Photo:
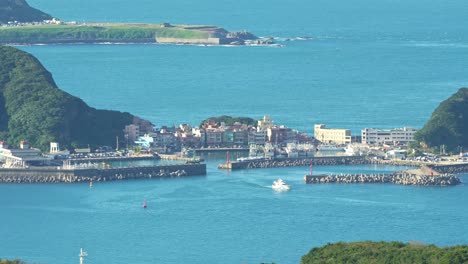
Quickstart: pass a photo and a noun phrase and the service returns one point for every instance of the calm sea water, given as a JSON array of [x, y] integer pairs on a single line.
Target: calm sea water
[[370, 64]]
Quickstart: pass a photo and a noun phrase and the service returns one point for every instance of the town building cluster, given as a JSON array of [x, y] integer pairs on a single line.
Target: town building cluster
[[266, 138], [214, 135]]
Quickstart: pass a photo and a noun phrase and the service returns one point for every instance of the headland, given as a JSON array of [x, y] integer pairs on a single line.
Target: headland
[[58, 32]]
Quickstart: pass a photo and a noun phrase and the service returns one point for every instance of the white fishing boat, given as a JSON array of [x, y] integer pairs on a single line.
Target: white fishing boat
[[280, 185]]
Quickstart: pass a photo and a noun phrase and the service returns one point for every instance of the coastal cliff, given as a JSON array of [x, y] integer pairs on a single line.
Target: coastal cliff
[[33, 108]]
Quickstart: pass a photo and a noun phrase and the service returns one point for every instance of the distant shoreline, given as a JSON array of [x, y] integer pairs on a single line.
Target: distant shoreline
[[123, 33]]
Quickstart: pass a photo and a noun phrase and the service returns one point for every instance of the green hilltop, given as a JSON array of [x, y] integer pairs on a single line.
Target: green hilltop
[[32, 108], [229, 120], [448, 124], [368, 252], [19, 10]]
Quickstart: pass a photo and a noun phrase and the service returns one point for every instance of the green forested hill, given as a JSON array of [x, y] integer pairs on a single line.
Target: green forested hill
[[385, 252], [448, 124], [32, 108], [19, 10]]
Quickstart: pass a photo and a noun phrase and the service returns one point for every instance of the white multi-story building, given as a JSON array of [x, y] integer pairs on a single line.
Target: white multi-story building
[[396, 136], [265, 123], [332, 135]]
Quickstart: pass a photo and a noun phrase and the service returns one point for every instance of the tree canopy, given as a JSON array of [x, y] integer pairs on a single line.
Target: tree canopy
[[229, 120], [448, 124], [385, 252], [32, 108]]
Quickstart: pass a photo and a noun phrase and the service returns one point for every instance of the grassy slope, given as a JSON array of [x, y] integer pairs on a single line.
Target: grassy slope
[[94, 32]]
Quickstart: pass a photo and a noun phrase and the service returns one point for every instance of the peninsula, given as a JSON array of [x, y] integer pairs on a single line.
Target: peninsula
[[22, 24]]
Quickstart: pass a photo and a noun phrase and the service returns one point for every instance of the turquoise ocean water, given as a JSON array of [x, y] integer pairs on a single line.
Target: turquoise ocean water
[[370, 64]]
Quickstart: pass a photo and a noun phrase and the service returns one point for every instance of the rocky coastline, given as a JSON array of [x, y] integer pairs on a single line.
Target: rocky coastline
[[401, 178]]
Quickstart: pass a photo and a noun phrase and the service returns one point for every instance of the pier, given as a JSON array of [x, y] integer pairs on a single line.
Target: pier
[[59, 175]]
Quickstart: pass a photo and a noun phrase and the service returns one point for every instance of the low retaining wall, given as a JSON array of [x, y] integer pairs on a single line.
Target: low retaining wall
[[51, 175], [395, 178], [104, 159]]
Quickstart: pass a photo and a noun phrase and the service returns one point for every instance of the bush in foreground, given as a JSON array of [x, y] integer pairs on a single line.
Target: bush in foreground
[[385, 252]]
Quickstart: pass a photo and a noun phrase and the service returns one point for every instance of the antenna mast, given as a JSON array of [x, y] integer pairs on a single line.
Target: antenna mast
[[82, 256]]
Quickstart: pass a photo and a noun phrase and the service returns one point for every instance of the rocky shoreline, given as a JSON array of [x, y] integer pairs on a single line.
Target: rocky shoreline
[[401, 178]]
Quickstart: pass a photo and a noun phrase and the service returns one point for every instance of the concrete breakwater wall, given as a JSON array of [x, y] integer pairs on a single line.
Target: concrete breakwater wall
[[53, 175], [395, 178], [294, 162], [453, 168]]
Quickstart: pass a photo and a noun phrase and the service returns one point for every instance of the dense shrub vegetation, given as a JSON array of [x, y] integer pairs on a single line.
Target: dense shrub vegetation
[[32, 108], [229, 120], [385, 252]]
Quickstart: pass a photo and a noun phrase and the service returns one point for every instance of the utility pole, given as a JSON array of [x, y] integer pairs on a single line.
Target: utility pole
[[82, 256], [117, 143]]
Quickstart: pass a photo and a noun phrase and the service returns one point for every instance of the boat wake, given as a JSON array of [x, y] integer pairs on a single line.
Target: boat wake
[[433, 44], [286, 39]]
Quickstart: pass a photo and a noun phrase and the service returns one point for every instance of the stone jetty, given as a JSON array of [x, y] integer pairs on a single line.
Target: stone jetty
[[294, 162], [402, 178], [55, 175], [452, 168]]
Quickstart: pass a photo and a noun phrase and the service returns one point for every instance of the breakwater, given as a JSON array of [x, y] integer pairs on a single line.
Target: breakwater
[[55, 175], [452, 168], [294, 162], [402, 178]]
